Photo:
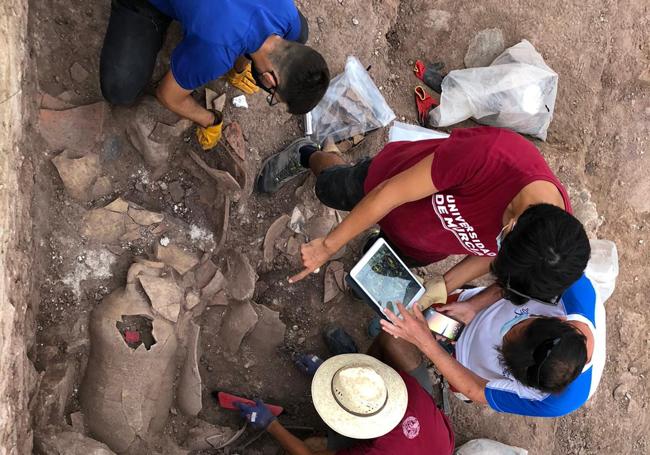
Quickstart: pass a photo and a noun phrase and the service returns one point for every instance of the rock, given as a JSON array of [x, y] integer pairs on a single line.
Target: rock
[[219, 217], [219, 103], [484, 48], [176, 191], [77, 422], [344, 146], [272, 234], [101, 187], [585, 210], [339, 276], [226, 183], [297, 222], [139, 130], [78, 172], [239, 320], [53, 103], [235, 139], [219, 299], [331, 286], [54, 393], [145, 217], [103, 226], [357, 139], [188, 394], [319, 227], [215, 285], [192, 299], [78, 73], [240, 101], [68, 443], [293, 246], [210, 96], [164, 133], [165, 295], [198, 437], [79, 128], [268, 334], [180, 260], [204, 273], [118, 205], [240, 276]]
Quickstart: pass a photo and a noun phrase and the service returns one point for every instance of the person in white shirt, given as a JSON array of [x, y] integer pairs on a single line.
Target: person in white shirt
[[535, 359]]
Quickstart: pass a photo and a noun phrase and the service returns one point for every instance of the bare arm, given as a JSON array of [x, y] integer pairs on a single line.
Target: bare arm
[[411, 185], [178, 100], [241, 63], [470, 268], [290, 443], [413, 328], [463, 380]]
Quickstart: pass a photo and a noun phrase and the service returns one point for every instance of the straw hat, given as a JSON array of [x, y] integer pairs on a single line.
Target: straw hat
[[358, 396]]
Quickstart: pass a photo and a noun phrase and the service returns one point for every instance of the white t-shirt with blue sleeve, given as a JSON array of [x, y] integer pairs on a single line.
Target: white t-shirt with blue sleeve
[[476, 350]]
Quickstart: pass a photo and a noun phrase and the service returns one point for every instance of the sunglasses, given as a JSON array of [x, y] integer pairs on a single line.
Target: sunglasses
[[553, 302], [541, 355]]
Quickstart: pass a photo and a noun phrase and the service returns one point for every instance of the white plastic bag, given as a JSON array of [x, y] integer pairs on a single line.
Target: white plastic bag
[[516, 91], [352, 105], [406, 132], [488, 447], [602, 267]]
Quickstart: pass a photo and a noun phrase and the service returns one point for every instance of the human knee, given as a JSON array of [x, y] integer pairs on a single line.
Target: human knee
[[119, 89]]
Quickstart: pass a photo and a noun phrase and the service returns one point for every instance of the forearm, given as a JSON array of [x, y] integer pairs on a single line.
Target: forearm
[[188, 108], [367, 213], [290, 443], [486, 297], [463, 380], [470, 268], [241, 63]]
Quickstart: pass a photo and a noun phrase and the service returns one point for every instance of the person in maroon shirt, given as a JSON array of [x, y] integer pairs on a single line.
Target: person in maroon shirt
[[372, 408], [485, 192]]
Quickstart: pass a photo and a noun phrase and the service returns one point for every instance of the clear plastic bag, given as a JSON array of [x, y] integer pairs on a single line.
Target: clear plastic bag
[[516, 91], [352, 105]]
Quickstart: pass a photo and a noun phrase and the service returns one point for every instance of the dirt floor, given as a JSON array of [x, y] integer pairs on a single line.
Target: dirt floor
[[597, 144]]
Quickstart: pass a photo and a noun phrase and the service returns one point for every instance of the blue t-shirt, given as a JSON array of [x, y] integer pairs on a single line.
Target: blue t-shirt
[[475, 349], [217, 32]]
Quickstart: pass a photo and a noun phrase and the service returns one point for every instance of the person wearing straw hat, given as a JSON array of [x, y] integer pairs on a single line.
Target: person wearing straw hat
[[376, 408]]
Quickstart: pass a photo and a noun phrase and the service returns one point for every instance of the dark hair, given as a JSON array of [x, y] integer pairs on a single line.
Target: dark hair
[[304, 76], [548, 355], [546, 252]]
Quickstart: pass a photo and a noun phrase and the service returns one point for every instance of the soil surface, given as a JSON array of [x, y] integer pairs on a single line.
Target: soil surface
[[596, 144]]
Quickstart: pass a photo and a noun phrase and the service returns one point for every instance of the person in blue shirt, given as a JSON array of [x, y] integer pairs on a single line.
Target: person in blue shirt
[[220, 39]]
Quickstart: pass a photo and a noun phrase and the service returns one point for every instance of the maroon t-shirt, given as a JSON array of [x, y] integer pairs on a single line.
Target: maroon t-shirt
[[423, 430], [477, 171]]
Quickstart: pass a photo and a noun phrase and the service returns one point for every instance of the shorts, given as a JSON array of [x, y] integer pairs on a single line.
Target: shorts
[[341, 187]]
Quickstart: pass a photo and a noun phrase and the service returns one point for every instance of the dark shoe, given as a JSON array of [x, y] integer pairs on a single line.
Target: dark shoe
[[338, 341], [278, 169]]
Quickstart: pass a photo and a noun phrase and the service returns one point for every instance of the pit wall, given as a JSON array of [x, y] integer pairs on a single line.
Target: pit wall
[[18, 377]]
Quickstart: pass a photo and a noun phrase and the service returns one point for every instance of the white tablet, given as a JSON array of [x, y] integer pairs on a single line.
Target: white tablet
[[385, 279]]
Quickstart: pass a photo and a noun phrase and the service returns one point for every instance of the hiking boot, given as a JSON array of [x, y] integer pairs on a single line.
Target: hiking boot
[[338, 341], [281, 167]]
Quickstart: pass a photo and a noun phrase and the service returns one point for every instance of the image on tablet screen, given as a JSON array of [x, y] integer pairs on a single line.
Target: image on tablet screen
[[387, 281]]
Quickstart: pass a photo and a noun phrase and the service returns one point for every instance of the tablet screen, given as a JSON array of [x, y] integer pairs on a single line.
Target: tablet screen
[[387, 281]]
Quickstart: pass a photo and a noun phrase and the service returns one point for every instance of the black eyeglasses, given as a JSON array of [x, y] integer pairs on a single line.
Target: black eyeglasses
[[541, 354], [554, 301], [270, 98]]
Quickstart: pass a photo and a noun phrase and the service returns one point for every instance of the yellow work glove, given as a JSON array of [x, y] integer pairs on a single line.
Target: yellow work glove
[[209, 137], [243, 81], [436, 292]]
